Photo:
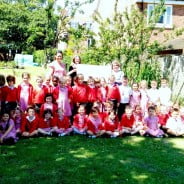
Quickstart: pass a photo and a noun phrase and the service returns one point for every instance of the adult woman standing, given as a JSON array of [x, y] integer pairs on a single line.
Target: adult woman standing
[[73, 68], [57, 67]]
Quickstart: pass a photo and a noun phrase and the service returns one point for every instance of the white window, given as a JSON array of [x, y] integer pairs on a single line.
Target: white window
[[165, 20]]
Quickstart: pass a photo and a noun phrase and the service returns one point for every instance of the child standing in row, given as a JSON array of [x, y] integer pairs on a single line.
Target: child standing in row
[[25, 92]]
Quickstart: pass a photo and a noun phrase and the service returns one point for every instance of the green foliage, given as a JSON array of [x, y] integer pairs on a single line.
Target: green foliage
[[126, 36], [7, 64], [39, 57]]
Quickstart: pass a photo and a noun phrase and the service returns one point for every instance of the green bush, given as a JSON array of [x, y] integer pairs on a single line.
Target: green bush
[[7, 64], [39, 57]]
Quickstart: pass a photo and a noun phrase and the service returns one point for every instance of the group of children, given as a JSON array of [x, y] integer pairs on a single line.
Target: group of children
[[53, 107]]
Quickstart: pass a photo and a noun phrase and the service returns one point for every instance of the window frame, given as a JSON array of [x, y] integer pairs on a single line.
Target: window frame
[[165, 16]]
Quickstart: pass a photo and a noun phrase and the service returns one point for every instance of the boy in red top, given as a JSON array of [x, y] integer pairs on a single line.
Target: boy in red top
[[30, 123], [63, 124], [11, 91], [47, 125], [80, 121], [113, 93], [127, 121], [80, 92]]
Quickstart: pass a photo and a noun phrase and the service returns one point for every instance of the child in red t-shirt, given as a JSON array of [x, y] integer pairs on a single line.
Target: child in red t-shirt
[[47, 125], [127, 121], [111, 125], [80, 121], [30, 123], [63, 124]]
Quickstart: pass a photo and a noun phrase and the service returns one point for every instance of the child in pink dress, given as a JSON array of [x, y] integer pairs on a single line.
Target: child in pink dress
[[7, 130], [144, 97], [136, 96], [61, 94], [63, 124], [80, 121], [95, 124], [18, 117], [102, 90], [25, 92], [152, 123], [138, 126]]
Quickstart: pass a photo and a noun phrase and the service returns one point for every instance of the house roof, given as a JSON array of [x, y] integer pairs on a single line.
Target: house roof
[[174, 2]]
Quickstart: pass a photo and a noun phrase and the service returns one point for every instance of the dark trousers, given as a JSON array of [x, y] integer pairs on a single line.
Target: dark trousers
[[121, 109]]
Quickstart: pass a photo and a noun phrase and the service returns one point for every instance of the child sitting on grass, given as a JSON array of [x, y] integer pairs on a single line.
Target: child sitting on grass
[[63, 124], [47, 125], [30, 123], [152, 123], [94, 124], [7, 129], [174, 124], [80, 121], [111, 125], [127, 121]]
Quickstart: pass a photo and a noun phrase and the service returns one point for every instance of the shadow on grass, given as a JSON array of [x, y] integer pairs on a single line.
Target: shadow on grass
[[77, 159]]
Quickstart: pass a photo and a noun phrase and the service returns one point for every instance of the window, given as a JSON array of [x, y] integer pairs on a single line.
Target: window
[[165, 20]]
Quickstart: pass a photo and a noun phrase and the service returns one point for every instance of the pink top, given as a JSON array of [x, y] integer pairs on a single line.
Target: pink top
[[135, 98], [59, 69], [152, 122]]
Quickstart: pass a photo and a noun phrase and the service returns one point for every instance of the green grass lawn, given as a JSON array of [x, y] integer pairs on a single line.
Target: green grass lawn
[[34, 71], [77, 159]]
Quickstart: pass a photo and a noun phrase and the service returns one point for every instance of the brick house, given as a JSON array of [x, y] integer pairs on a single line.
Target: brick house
[[173, 18]]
